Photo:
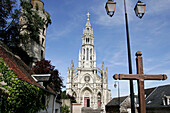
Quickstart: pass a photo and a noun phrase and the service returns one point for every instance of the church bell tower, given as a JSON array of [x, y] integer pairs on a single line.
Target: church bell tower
[[88, 83], [87, 57]]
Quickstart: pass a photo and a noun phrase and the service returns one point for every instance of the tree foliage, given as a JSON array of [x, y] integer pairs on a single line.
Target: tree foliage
[[31, 23], [45, 67], [19, 96], [9, 19], [65, 109], [63, 95]]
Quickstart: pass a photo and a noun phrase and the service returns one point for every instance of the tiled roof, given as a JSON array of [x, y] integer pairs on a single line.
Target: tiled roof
[[115, 101], [19, 67], [155, 97]]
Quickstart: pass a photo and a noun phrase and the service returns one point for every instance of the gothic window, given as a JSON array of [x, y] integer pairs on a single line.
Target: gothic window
[[87, 40], [87, 54], [90, 54], [87, 28]]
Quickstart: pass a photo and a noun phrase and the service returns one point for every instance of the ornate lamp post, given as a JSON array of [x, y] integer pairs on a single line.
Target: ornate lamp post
[[110, 7], [115, 85], [139, 10]]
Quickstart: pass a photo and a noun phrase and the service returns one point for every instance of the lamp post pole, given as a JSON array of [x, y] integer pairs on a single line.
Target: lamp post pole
[[139, 10], [129, 60]]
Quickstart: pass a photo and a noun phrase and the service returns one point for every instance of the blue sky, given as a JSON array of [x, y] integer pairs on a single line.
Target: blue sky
[[151, 35]]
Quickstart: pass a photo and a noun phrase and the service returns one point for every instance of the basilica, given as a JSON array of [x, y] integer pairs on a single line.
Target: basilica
[[88, 83]]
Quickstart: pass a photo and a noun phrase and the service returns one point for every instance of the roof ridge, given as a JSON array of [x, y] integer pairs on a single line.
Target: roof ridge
[[152, 92]]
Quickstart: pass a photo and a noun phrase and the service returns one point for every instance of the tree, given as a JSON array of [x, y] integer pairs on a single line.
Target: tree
[[18, 95], [9, 19], [65, 109], [31, 23], [45, 67]]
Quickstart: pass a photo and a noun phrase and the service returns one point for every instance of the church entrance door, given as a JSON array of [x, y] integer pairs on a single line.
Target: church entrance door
[[86, 102]]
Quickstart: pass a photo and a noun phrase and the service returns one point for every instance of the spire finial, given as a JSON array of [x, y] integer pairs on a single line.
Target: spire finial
[[88, 14]]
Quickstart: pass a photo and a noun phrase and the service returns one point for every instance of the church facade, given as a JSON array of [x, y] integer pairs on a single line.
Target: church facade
[[88, 83]]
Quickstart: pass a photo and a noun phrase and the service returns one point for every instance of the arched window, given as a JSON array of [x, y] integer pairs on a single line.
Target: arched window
[[87, 54], [87, 40], [90, 54]]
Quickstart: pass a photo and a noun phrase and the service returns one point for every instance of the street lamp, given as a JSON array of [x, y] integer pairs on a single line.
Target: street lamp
[[115, 85], [139, 10], [110, 7]]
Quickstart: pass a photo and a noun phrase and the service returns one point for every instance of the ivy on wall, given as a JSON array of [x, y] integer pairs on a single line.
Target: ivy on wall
[[19, 96]]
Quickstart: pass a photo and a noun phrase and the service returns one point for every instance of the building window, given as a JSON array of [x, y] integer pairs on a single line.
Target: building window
[[42, 41], [87, 40], [43, 31], [42, 54], [87, 54]]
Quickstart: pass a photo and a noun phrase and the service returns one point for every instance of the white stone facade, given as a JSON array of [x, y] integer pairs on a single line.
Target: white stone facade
[[87, 83]]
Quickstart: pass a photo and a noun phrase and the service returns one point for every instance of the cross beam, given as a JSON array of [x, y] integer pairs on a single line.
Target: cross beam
[[140, 77]]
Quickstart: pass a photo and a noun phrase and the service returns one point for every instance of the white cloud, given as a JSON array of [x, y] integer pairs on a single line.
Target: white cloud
[[157, 7]]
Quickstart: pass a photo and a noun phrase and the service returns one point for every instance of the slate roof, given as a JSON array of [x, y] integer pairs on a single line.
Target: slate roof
[[115, 101], [155, 97]]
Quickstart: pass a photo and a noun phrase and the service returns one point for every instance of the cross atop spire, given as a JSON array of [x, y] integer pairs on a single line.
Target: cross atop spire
[[88, 14]]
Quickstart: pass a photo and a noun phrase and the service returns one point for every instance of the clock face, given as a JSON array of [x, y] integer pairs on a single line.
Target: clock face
[[87, 78]]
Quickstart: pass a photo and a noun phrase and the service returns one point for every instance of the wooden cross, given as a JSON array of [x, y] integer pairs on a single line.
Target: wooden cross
[[140, 77]]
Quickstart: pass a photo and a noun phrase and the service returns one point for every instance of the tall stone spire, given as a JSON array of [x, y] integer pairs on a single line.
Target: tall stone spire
[[87, 57]]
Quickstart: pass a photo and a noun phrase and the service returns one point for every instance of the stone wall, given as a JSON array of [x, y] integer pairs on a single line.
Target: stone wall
[[76, 107]]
